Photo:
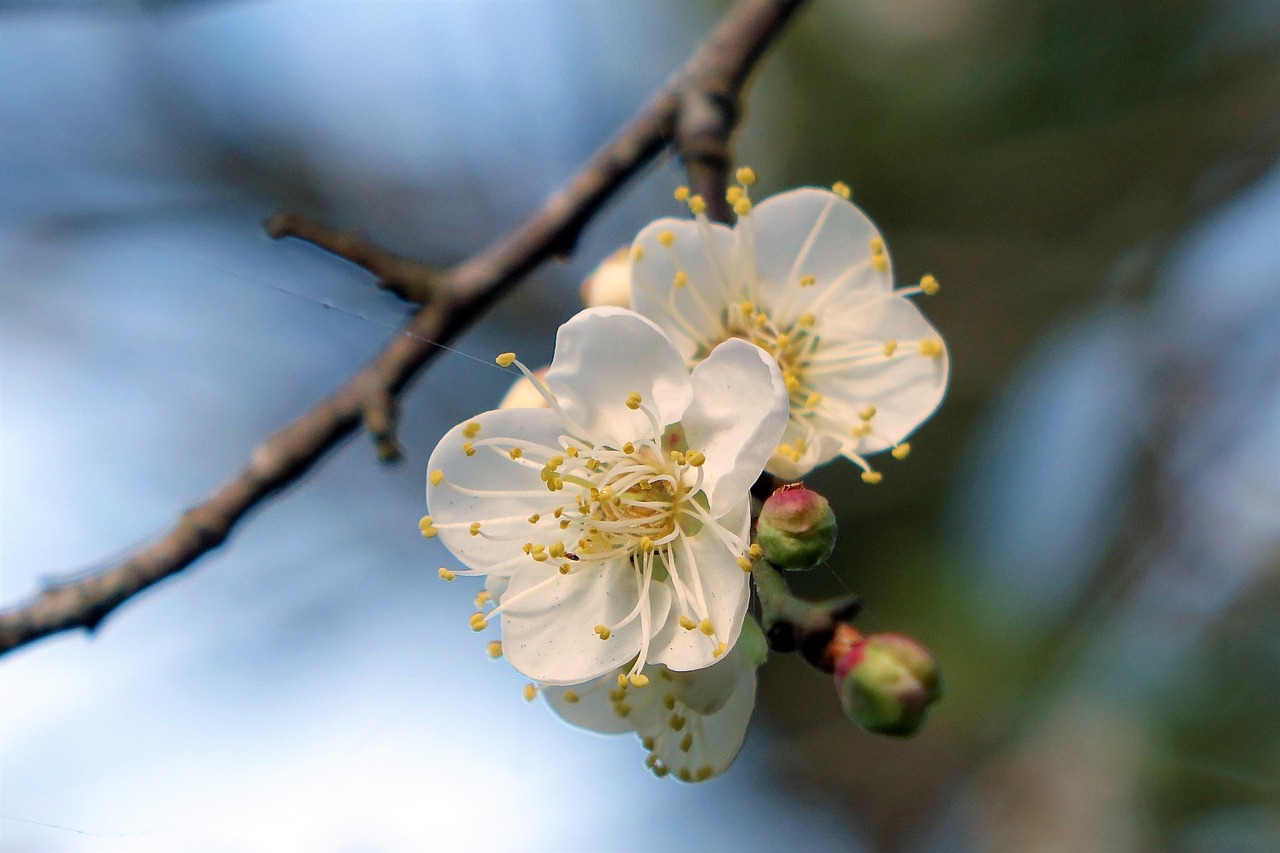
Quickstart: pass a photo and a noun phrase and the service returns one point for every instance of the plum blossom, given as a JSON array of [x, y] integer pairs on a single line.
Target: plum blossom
[[805, 276], [692, 725], [613, 525]]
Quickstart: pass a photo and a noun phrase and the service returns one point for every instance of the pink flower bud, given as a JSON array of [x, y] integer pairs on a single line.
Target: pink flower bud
[[887, 683], [797, 528]]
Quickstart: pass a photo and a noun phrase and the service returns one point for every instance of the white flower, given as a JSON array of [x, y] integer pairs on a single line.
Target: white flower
[[613, 525], [691, 723], [805, 276]]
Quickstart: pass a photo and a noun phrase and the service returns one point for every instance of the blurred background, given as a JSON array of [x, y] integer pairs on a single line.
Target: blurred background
[[1087, 533]]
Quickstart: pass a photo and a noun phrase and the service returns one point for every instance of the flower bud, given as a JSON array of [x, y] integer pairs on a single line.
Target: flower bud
[[609, 283], [887, 683], [797, 528]]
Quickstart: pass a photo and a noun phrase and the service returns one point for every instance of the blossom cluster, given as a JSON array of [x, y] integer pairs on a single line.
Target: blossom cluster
[[608, 504]]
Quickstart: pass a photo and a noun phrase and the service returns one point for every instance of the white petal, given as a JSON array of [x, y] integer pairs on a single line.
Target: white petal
[[690, 315], [707, 690], [813, 232], [547, 632], [725, 588], [737, 417], [904, 388], [519, 489], [717, 738], [603, 355], [592, 709]]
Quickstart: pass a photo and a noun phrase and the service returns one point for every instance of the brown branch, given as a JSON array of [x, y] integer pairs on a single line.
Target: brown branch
[[712, 79], [410, 280]]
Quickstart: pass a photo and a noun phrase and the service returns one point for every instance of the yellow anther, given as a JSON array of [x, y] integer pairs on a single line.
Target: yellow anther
[[761, 319], [880, 262], [746, 176], [877, 246], [638, 679], [720, 649], [686, 742], [482, 598], [527, 547], [744, 564], [747, 308], [479, 625], [669, 701], [841, 189], [681, 279], [494, 649], [571, 451], [792, 382], [704, 773], [530, 692], [637, 254], [677, 457], [628, 448], [555, 462], [813, 399], [603, 632], [807, 281], [556, 550], [606, 494], [471, 430], [901, 451], [687, 623], [593, 464], [622, 684], [706, 627], [676, 722], [868, 413], [684, 775], [806, 321], [648, 743], [696, 458], [620, 694], [755, 552], [697, 205], [681, 194], [889, 348], [535, 518], [515, 453], [427, 526], [871, 477], [660, 770], [666, 238], [436, 478], [732, 194], [931, 348], [506, 359], [474, 529], [468, 448], [564, 524], [861, 430], [571, 696], [565, 568], [646, 544], [558, 512], [539, 556], [929, 285], [742, 206], [633, 401], [446, 575]]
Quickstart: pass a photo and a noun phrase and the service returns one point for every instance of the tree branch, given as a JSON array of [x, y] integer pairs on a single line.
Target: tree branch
[[698, 106]]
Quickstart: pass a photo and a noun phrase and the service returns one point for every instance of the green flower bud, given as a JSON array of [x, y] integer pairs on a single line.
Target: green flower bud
[[796, 529], [887, 683]]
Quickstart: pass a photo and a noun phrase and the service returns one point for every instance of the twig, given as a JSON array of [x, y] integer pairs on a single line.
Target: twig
[[712, 78]]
